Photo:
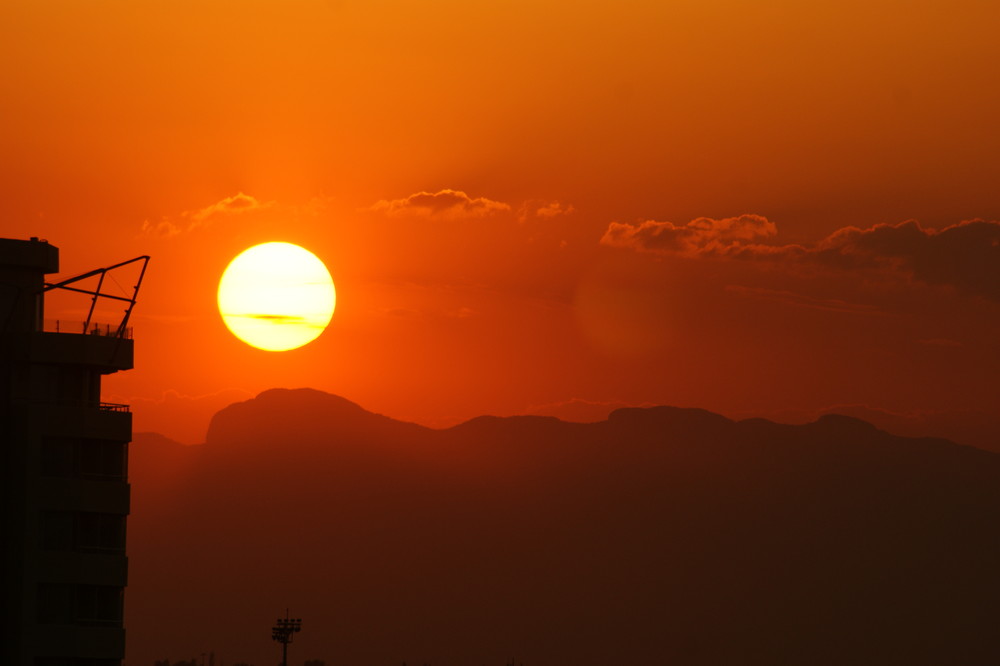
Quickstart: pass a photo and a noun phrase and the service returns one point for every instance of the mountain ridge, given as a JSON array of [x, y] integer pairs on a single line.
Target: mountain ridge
[[311, 401], [660, 534]]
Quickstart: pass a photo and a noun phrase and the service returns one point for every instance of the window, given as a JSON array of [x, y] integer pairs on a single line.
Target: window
[[55, 603], [77, 384], [82, 531], [76, 661], [98, 605], [59, 456], [75, 457], [58, 530], [103, 459], [88, 605], [100, 531]]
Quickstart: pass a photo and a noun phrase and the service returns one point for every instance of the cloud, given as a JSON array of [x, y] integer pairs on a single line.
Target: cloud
[[965, 256], [163, 229], [542, 210], [189, 220], [553, 209], [443, 203], [277, 318], [700, 236], [239, 203]]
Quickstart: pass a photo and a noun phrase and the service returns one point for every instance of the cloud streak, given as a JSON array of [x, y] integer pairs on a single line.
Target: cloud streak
[[802, 300]]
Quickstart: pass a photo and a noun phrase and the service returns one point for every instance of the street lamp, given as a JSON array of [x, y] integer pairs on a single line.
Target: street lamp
[[282, 632]]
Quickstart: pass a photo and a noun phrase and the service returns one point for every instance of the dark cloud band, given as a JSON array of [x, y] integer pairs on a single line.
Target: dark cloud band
[[964, 255]]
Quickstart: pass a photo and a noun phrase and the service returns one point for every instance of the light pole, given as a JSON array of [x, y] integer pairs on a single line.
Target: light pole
[[282, 632]]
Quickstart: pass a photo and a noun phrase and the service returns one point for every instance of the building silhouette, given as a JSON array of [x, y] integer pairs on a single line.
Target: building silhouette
[[64, 469]]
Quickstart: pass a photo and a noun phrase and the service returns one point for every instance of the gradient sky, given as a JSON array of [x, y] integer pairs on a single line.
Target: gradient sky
[[767, 207]]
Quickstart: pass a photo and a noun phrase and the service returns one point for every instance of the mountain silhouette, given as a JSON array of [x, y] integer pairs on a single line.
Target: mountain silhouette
[[661, 535]]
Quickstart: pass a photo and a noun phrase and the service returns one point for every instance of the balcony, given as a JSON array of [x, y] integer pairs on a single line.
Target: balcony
[[101, 348], [96, 420]]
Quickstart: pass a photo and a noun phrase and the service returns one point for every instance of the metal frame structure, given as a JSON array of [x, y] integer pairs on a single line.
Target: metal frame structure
[[122, 327]]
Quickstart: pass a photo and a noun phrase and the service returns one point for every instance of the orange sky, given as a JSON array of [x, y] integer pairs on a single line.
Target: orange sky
[[633, 202]]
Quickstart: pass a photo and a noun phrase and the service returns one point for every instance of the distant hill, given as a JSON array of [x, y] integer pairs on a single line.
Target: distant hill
[[657, 536]]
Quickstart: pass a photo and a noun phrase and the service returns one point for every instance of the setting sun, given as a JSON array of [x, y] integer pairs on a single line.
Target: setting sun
[[276, 296]]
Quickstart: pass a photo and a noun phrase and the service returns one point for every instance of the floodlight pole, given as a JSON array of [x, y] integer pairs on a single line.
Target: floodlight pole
[[282, 632]]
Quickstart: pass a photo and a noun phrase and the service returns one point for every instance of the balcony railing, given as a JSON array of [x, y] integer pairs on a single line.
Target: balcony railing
[[80, 328], [84, 404]]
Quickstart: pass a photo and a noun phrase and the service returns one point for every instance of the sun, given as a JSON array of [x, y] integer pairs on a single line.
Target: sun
[[276, 296]]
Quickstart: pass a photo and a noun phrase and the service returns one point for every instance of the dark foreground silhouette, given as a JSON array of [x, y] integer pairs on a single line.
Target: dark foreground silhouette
[[659, 536]]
